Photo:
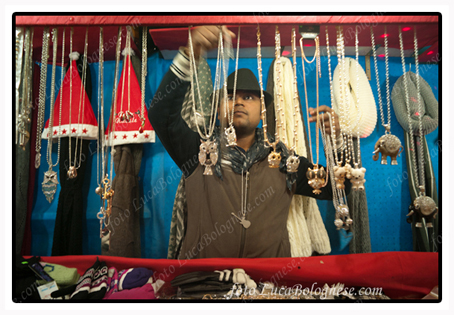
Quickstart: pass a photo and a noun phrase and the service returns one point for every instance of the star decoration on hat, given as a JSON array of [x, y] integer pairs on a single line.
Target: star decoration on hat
[[135, 135], [85, 130], [74, 130], [125, 136], [63, 131]]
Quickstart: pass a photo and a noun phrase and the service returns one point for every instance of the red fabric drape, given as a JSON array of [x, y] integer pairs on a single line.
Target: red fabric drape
[[400, 274]]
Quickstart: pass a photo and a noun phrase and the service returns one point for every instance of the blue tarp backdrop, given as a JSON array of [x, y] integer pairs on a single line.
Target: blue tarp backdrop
[[387, 190]]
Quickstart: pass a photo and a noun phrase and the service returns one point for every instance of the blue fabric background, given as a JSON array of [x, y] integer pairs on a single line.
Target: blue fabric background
[[386, 186]]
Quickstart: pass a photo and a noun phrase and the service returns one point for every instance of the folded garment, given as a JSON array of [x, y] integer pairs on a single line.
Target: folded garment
[[198, 276], [62, 275], [134, 278], [145, 292]]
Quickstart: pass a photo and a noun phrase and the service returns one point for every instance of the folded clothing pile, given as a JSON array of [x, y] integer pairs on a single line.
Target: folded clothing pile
[[200, 283]]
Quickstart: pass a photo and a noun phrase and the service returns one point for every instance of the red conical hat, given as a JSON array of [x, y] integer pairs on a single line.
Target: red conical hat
[[84, 125], [129, 132]]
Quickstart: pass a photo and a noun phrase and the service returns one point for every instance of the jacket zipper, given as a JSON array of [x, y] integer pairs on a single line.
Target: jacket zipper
[[243, 230]]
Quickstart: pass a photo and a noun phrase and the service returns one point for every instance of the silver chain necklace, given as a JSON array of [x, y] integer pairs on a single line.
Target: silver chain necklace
[[42, 95], [388, 144], [424, 206], [50, 182]]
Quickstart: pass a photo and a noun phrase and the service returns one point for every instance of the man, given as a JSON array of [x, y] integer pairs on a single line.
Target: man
[[241, 210]]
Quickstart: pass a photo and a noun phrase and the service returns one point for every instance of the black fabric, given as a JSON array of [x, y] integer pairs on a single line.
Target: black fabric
[[70, 211], [25, 286], [194, 277], [124, 224], [22, 175]]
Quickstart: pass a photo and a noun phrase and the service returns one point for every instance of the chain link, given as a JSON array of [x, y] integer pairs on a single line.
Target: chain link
[[388, 97], [376, 77]]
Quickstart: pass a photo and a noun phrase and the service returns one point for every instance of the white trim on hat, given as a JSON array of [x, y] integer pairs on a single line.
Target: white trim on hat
[[125, 137], [84, 131]]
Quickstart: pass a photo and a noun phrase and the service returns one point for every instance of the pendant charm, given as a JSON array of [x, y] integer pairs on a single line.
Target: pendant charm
[[274, 159], [292, 164], [245, 223], [37, 160], [98, 190], [72, 172], [343, 220], [208, 155], [357, 178], [424, 207], [388, 145], [128, 115], [316, 178], [231, 136], [107, 195], [50, 183], [339, 175], [141, 128]]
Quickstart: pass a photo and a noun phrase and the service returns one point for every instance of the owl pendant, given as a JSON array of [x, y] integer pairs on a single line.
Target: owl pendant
[[292, 163], [208, 155], [50, 183], [274, 159], [316, 178], [231, 136]]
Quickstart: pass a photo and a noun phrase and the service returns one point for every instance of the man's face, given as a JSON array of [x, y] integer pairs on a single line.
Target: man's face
[[246, 106]]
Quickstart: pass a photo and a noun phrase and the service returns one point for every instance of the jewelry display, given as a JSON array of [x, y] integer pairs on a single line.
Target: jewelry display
[[388, 144], [25, 104], [423, 206], [357, 173], [127, 115], [42, 95], [316, 176], [230, 130], [244, 188], [274, 158], [50, 181], [20, 59], [208, 154]]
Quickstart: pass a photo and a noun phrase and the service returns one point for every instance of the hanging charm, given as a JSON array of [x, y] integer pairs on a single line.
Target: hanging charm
[[316, 178], [388, 145], [274, 159], [339, 175], [245, 223], [208, 155], [343, 220], [231, 136], [424, 207], [107, 195], [292, 163], [72, 172], [357, 178], [50, 183]]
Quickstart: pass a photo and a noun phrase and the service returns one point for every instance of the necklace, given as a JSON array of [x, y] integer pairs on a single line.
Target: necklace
[[127, 115], [245, 223], [388, 144], [23, 118], [42, 95], [293, 161], [423, 205], [338, 172], [230, 130], [274, 157], [357, 173], [208, 153], [316, 176], [50, 181], [81, 106], [143, 74], [20, 59]]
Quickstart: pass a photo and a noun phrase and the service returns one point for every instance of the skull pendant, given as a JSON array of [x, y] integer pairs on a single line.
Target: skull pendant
[[292, 164], [208, 155], [231, 136], [316, 178], [274, 159]]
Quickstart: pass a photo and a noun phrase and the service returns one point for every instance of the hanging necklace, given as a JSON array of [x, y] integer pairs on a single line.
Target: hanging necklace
[[42, 95], [338, 172], [388, 144], [50, 181], [26, 106], [274, 157], [208, 154], [143, 75], [293, 161], [81, 107], [230, 130], [127, 115], [245, 223], [423, 205], [357, 173], [316, 176]]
